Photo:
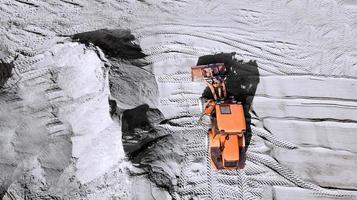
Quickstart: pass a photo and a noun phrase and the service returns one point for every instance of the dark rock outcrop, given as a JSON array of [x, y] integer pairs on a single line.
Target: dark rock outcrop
[[5, 72], [115, 43], [151, 147]]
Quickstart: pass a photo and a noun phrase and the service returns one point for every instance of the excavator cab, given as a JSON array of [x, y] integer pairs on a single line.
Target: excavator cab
[[227, 128]]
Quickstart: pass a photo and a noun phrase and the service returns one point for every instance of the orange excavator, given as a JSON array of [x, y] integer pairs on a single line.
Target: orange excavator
[[226, 135], [227, 128]]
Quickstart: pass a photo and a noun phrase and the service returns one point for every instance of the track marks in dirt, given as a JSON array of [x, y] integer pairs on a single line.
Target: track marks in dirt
[[74, 3], [27, 2], [248, 183]]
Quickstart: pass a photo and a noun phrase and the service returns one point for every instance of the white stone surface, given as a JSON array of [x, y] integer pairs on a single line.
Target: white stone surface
[[62, 112], [305, 108], [306, 52], [322, 166], [320, 87], [292, 193], [327, 134]]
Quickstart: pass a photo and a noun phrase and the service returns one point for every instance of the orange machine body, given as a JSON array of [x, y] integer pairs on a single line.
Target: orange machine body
[[226, 136]]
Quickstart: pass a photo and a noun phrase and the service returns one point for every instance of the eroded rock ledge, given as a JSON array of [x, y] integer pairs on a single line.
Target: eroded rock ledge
[[56, 127]]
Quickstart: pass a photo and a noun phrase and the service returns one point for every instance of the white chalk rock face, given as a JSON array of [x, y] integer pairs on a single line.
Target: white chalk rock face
[[322, 166], [292, 193], [57, 116], [54, 115], [319, 120], [132, 86], [332, 135]]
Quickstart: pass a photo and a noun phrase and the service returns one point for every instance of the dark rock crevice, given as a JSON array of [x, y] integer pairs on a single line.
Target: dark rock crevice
[[138, 129], [130, 85], [150, 146], [5, 72], [115, 43]]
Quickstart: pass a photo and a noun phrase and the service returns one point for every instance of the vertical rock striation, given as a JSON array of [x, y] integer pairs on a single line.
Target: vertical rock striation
[[57, 119]]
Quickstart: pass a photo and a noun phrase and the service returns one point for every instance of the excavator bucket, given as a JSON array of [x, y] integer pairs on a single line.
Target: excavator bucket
[[208, 71]]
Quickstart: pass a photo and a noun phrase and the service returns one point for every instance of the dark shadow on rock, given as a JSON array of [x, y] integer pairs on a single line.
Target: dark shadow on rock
[[164, 151], [138, 155], [136, 118], [2, 192], [127, 78], [138, 129], [5, 72], [116, 43], [242, 81], [112, 107], [150, 146]]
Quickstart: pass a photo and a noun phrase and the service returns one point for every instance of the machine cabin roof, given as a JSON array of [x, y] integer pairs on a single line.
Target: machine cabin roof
[[230, 118]]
